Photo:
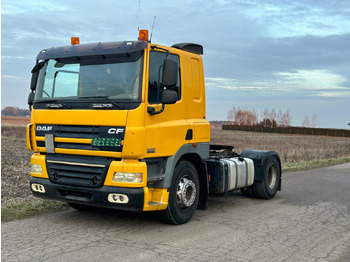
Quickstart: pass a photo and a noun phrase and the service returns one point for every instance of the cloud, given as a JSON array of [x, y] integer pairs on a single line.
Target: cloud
[[310, 82], [313, 79], [299, 17]]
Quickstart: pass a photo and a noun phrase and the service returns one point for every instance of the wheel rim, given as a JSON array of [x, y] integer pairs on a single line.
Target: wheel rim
[[272, 176], [186, 193]]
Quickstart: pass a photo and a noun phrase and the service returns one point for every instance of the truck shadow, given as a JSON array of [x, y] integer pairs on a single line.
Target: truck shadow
[[231, 200]]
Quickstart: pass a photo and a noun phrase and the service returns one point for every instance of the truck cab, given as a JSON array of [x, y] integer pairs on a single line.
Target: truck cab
[[110, 121]]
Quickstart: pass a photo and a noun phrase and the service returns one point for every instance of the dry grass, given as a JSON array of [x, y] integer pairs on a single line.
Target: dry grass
[[14, 120], [291, 148]]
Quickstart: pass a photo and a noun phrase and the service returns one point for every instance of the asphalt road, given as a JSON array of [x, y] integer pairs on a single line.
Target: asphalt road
[[309, 220]]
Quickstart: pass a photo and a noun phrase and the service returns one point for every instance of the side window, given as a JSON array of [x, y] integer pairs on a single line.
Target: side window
[[155, 87]]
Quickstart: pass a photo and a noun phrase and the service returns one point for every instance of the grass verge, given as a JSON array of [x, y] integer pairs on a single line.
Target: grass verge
[[299, 166], [30, 208]]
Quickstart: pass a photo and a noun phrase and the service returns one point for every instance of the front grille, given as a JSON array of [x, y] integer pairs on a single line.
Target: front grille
[[81, 171], [71, 135]]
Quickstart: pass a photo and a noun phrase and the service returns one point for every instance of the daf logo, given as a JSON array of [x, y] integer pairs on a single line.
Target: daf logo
[[115, 131], [44, 128]]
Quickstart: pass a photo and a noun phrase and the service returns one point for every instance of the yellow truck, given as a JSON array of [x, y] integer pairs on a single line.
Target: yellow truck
[[123, 125]]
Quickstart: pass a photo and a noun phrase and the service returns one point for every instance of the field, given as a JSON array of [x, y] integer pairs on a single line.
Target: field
[[14, 120], [15, 158], [292, 148]]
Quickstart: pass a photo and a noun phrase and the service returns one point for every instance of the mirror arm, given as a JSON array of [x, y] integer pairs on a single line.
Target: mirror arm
[[152, 111]]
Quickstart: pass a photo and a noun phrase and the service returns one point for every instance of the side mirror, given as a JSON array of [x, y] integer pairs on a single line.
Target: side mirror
[[34, 80], [169, 97], [35, 74], [170, 71], [31, 99]]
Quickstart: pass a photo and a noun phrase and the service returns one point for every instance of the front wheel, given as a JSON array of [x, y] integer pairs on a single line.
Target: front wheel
[[183, 194], [268, 187]]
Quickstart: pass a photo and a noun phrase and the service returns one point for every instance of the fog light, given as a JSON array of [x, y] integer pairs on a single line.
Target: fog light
[[36, 169], [38, 188], [118, 198], [128, 177]]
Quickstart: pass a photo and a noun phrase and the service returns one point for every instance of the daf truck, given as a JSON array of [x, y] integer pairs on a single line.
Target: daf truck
[[123, 125]]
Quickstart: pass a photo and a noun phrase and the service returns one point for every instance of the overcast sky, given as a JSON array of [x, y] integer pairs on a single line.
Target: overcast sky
[[275, 54]]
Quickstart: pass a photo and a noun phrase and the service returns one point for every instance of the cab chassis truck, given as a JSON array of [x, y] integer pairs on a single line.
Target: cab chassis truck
[[122, 125]]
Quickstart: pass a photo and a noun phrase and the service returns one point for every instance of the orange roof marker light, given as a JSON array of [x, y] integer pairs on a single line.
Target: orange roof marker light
[[74, 41], [143, 35]]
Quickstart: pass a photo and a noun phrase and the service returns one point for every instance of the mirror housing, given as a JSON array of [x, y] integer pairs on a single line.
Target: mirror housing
[[35, 74], [31, 99], [168, 97], [34, 80], [170, 71]]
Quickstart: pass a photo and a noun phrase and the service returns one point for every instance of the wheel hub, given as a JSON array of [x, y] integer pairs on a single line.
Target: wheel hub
[[272, 176], [186, 193]]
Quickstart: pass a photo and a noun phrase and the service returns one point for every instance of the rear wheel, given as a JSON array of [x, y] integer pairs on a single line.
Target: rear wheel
[[272, 177], [248, 191], [183, 194]]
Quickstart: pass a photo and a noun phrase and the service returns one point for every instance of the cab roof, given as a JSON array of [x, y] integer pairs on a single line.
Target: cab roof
[[106, 48]]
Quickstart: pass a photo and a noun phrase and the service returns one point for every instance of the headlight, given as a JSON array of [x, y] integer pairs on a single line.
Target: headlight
[[36, 169], [128, 177]]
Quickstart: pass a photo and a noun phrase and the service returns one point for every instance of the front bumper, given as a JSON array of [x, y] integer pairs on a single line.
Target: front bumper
[[91, 196]]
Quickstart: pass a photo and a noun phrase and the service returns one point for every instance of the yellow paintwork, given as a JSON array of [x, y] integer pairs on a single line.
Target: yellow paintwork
[[67, 140], [39, 160], [82, 152], [146, 136], [80, 117], [159, 197], [28, 132]]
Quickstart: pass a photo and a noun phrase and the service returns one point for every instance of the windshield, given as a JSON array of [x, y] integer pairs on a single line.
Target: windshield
[[115, 77]]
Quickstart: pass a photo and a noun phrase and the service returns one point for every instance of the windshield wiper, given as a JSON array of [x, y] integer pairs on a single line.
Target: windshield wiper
[[56, 104], [102, 105]]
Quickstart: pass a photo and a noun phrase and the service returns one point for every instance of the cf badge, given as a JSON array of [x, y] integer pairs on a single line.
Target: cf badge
[[115, 131]]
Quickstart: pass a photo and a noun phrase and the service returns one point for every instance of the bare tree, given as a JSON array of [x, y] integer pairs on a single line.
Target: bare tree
[[231, 114], [273, 117], [305, 122], [242, 117], [265, 116], [286, 119], [279, 118], [14, 111], [313, 121], [250, 117]]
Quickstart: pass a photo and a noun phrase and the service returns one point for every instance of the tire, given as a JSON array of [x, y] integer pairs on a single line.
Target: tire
[[183, 194], [268, 188], [248, 191]]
